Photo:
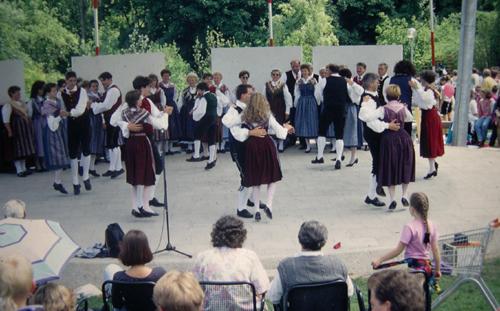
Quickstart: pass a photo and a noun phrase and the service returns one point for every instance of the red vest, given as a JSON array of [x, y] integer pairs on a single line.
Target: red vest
[[148, 128]]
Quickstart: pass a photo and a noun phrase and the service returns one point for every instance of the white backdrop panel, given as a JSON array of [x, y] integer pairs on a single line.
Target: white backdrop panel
[[350, 55], [259, 61], [12, 73], [124, 68]]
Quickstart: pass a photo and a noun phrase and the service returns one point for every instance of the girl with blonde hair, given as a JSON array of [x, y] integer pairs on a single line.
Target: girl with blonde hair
[[262, 165]]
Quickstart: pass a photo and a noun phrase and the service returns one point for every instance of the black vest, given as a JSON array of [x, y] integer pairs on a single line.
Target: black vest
[[290, 83], [380, 89], [370, 135], [71, 100], [335, 94]]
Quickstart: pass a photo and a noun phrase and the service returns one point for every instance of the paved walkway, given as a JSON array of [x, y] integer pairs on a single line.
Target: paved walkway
[[465, 195]]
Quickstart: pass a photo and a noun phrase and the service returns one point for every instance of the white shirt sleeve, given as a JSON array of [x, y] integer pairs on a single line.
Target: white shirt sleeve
[[288, 99], [350, 287], [276, 291], [387, 82], [222, 102], [408, 115], [355, 92], [163, 98], [296, 94], [200, 107], [424, 99], [319, 90], [231, 118], [111, 97], [81, 105], [53, 122], [369, 111], [279, 130], [160, 123], [239, 133], [180, 101], [6, 112], [155, 112], [116, 120]]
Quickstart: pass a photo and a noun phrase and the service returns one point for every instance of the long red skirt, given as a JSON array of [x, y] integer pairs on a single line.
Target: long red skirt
[[431, 134], [261, 162], [139, 161]]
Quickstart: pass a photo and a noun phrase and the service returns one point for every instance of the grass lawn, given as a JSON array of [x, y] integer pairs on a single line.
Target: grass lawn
[[468, 297]]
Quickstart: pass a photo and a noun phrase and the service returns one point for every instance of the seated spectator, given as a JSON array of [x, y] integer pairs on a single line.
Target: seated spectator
[[54, 297], [15, 209], [485, 109], [473, 116], [393, 290], [135, 254], [309, 265], [16, 283], [228, 261], [178, 291]]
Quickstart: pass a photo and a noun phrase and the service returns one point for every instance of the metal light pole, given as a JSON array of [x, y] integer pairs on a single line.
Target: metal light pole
[[411, 34], [465, 60], [270, 10], [95, 5], [433, 56]]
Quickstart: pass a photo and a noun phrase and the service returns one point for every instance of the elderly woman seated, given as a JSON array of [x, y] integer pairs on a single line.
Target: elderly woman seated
[[228, 261], [15, 209], [310, 265]]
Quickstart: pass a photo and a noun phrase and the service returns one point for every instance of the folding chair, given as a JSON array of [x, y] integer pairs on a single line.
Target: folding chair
[[134, 296], [229, 296], [326, 296]]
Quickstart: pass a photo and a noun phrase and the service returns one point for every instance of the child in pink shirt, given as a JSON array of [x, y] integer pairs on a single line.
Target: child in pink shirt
[[418, 237]]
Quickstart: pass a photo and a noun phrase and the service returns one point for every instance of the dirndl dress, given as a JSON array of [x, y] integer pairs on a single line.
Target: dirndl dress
[[351, 126], [306, 114], [431, 134], [55, 139], [97, 134], [261, 164], [174, 119], [23, 136], [397, 155], [187, 123], [39, 122]]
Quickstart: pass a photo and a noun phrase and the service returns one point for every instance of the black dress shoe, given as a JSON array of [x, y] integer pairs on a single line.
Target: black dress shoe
[[22, 174], [428, 176], [137, 214], [244, 214], [250, 203], [117, 173], [146, 213], [87, 184], [318, 161], [262, 206], [108, 174], [392, 206], [210, 165], [257, 217], [352, 164], [94, 173], [193, 159], [338, 165], [76, 189], [268, 212], [335, 159], [405, 202], [375, 202], [204, 158], [380, 191], [60, 188], [154, 202]]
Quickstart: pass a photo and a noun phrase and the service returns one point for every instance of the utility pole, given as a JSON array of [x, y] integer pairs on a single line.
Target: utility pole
[[95, 6], [83, 10], [431, 19], [464, 83]]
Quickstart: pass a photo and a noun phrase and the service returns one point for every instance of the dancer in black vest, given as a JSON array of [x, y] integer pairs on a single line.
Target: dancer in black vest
[[382, 77], [372, 129], [75, 104], [333, 90], [112, 100], [290, 78]]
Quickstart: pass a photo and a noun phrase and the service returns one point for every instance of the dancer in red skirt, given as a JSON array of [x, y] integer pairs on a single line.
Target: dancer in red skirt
[[261, 158], [431, 131], [139, 159]]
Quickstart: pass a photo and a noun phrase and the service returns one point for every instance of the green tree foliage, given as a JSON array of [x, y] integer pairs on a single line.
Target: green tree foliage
[[304, 23], [28, 32], [447, 39], [202, 51]]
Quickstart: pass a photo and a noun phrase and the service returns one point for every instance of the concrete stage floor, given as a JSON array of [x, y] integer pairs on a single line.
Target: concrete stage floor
[[465, 195]]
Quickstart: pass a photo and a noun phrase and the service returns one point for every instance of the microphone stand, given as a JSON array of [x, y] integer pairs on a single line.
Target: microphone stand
[[169, 247]]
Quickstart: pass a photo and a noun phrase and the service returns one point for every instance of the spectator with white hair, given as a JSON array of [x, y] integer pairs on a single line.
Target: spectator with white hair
[[15, 209], [310, 265]]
